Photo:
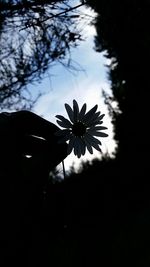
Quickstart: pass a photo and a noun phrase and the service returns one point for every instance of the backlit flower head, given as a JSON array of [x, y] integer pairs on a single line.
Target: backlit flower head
[[81, 128]]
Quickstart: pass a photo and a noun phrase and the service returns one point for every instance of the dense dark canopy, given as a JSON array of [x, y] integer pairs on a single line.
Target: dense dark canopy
[[101, 216], [123, 32]]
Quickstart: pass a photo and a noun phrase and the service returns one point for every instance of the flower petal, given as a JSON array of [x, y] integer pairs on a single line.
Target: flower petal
[[93, 131], [88, 145], [75, 147], [92, 118], [60, 117], [63, 122], [92, 139], [100, 134], [82, 112], [100, 128], [101, 117], [96, 146], [69, 112], [90, 113], [95, 128], [96, 119], [94, 123], [75, 110], [79, 148], [82, 146], [94, 142]]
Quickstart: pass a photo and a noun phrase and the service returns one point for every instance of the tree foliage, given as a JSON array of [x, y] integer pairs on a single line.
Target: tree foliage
[[101, 216], [123, 33], [114, 196], [33, 36]]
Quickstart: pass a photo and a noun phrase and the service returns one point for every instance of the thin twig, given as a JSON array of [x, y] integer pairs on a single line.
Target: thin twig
[[63, 12], [63, 165]]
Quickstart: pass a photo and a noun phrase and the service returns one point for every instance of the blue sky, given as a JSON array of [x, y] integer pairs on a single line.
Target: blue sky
[[85, 86]]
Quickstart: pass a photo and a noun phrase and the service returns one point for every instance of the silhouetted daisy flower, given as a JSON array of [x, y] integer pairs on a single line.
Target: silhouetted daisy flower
[[81, 128]]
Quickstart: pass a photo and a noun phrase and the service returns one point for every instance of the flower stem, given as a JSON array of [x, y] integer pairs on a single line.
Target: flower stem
[[63, 165]]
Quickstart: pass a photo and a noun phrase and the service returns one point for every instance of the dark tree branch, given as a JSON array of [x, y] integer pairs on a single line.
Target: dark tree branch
[[34, 35]]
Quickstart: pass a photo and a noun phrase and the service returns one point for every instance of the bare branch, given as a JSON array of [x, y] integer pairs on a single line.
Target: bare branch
[[33, 36]]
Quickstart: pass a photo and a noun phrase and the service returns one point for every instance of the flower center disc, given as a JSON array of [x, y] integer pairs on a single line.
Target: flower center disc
[[78, 129]]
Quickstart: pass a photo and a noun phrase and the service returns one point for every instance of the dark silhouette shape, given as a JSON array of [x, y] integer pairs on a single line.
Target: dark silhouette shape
[[123, 33], [29, 151], [101, 216], [24, 133], [118, 26]]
